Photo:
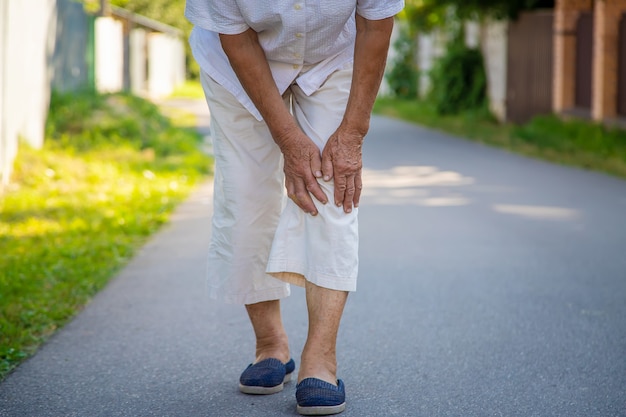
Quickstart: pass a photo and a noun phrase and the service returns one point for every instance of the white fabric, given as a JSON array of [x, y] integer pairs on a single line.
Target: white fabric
[[251, 238], [294, 35]]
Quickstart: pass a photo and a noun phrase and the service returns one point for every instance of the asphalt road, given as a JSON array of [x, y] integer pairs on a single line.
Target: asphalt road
[[490, 285]]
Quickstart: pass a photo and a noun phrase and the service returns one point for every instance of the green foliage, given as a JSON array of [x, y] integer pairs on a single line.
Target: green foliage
[[86, 122], [402, 78], [190, 89], [170, 12], [591, 143], [497, 8], [424, 15], [111, 171], [459, 80], [473, 124]]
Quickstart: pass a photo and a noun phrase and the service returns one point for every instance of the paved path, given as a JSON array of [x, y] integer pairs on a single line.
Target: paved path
[[490, 285]]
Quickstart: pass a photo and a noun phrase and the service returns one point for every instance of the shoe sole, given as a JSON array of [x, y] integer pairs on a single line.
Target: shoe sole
[[321, 410], [258, 390]]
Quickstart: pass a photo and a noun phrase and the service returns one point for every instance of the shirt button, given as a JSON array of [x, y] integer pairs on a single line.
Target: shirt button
[[297, 55], [297, 6], [299, 35], [296, 66]]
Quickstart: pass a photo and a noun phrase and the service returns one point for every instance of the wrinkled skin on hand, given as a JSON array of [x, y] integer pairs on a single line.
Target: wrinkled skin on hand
[[342, 160], [302, 167]]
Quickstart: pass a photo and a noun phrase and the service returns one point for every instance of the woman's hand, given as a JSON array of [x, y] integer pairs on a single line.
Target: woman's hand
[[303, 162], [342, 160], [302, 167], [341, 157]]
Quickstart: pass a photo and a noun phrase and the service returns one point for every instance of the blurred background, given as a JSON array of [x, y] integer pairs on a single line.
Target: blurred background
[[90, 166], [513, 59]]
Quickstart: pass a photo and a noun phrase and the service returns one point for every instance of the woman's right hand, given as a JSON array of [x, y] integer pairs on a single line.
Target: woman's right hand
[[303, 162], [302, 167]]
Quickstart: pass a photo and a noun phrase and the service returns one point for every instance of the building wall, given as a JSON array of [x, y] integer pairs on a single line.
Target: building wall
[[530, 68], [607, 15], [72, 62], [109, 55], [472, 33], [494, 45], [166, 63], [430, 46], [566, 17], [48, 44], [27, 30], [392, 54], [138, 61]]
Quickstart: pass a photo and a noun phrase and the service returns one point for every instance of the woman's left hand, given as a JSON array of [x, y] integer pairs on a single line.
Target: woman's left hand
[[342, 160]]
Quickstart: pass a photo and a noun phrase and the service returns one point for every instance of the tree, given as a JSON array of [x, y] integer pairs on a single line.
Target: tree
[[427, 14], [171, 12]]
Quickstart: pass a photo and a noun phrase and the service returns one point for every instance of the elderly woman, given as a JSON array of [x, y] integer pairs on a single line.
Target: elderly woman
[[290, 86]]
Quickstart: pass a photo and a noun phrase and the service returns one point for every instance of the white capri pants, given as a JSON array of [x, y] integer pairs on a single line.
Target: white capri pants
[[261, 241]]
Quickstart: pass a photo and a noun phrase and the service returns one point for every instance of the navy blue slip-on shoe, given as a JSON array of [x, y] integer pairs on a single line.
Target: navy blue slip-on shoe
[[320, 398], [266, 377]]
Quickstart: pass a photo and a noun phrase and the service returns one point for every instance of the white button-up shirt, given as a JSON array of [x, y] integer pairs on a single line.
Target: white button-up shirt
[[304, 40]]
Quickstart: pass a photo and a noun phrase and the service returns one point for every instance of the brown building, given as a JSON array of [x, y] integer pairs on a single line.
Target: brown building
[[590, 59]]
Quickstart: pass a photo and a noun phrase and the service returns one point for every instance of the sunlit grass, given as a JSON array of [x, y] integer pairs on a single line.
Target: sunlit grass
[[575, 142], [179, 117], [190, 89], [110, 174]]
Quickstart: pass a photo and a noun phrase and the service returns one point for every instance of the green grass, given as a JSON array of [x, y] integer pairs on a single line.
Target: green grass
[[574, 142], [112, 170], [190, 89]]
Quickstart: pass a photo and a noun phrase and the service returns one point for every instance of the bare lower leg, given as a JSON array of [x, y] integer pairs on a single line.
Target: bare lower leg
[[271, 338], [319, 357]]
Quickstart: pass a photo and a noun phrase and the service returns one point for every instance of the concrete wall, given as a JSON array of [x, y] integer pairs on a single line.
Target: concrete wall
[[27, 36], [109, 55], [607, 15], [166, 64], [494, 45], [430, 46], [385, 90], [605, 77], [138, 61], [147, 62], [46, 43], [491, 36], [472, 33], [72, 62], [566, 16]]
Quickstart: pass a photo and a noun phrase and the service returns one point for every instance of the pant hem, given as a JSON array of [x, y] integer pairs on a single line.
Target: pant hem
[[250, 298]]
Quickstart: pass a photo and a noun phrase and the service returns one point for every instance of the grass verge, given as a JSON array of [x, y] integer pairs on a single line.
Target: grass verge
[[111, 171], [190, 89], [572, 142]]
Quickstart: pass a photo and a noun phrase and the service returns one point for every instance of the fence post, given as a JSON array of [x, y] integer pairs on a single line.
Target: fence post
[[5, 161], [105, 8], [109, 55]]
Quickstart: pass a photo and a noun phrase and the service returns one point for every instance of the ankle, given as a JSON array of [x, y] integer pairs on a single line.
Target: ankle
[[271, 338], [273, 347], [320, 367]]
